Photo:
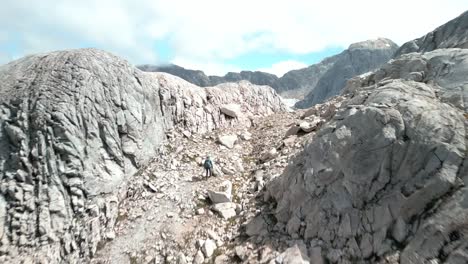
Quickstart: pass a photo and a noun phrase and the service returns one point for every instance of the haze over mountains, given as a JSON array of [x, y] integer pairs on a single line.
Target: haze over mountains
[[313, 84]]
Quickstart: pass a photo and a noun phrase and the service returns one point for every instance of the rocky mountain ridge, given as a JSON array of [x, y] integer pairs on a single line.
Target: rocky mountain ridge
[[358, 58]]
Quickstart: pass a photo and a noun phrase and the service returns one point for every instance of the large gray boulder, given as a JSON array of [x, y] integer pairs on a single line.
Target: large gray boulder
[[453, 34], [387, 175], [74, 127]]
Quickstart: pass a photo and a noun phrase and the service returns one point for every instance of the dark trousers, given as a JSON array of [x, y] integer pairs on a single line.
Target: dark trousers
[[208, 172]]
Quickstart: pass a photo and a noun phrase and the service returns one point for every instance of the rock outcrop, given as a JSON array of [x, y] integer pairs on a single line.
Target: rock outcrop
[[384, 180], [453, 34], [329, 75], [359, 58], [74, 127], [199, 110]]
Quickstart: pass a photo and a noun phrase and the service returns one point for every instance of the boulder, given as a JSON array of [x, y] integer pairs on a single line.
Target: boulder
[[293, 255], [256, 226], [227, 140], [271, 154], [231, 110], [293, 130], [221, 259], [208, 248], [226, 210], [222, 196], [199, 258], [242, 252]]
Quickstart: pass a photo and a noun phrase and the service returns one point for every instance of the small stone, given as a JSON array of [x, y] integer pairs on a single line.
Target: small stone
[[170, 214], [208, 248], [110, 235], [221, 259], [199, 258], [246, 136], [241, 252], [187, 134], [152, 187]]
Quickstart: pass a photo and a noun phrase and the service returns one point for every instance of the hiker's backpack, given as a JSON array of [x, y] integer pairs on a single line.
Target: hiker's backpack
[[207, 164]]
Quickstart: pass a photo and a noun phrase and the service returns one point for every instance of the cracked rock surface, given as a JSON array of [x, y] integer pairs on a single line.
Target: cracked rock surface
[[385, 178], [75, 126]]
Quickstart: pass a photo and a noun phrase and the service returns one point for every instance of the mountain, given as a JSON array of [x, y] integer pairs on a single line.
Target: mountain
[[196, 77], [75, 127], [199, 78], [299, 84], [453, 34], [359, 58]]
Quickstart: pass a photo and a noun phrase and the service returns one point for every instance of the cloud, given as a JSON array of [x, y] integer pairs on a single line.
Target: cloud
[[280, 68], [210, 32]]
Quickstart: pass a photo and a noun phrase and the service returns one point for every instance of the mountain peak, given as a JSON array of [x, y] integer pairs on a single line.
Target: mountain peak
[[379, 43]]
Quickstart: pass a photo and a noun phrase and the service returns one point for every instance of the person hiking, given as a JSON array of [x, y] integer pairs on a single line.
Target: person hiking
[[208, 166]]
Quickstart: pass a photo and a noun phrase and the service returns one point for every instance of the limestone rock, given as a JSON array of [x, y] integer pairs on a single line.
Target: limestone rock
[[226, 210], [208, 248], [222, 196], [75, 126], [227, 140], [271, 154], [292, 255], [256, 227], [199, 258], [221, 259], [232, 110], [245, 135], [391, 160]]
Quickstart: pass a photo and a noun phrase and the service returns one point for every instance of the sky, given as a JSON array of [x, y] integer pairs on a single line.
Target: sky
[[215, 36]]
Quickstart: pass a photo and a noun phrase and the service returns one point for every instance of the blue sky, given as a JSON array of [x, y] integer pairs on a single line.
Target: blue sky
[[215, 36]]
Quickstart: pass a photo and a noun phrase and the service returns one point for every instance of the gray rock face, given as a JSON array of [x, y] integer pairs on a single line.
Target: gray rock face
[[199, 110], [74, 127], [387, 174], [359, 58], [453, 34]]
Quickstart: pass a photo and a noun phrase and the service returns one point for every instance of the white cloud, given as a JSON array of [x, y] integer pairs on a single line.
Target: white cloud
[[209, 32], [280, 68]]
